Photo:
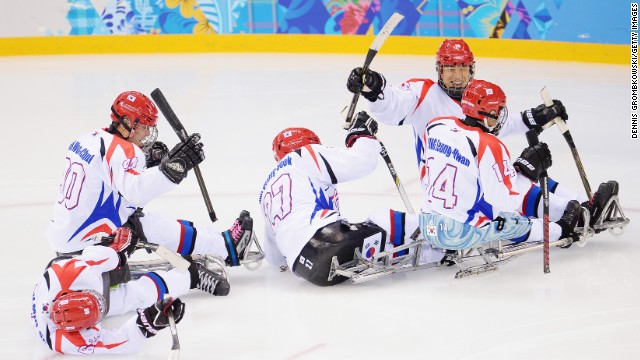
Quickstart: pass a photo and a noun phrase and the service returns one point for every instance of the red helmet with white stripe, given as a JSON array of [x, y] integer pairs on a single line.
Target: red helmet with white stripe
[[74, 311], [291, 139]]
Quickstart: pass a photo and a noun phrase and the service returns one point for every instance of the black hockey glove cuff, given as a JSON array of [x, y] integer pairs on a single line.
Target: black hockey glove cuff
[[156, 317], [533, 161], [362, 126]]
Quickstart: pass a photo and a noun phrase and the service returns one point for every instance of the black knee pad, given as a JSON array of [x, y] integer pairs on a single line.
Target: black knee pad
[[338, 239]]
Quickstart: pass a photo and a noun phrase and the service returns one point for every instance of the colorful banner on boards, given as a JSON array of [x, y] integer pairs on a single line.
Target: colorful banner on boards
[[556, 20]]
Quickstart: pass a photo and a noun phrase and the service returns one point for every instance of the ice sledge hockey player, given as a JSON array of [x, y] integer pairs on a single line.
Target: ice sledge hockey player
[[417, 101], [475, 194], [74, 295], [110, 173], [304, 228]]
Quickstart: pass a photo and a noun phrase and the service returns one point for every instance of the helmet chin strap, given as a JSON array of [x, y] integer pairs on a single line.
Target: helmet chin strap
[[473, 122], [121, 121]]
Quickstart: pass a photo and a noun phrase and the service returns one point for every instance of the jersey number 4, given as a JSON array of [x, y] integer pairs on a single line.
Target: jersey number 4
[[443, 186]]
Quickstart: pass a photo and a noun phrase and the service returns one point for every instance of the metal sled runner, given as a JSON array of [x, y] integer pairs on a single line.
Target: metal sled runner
[[471, 261], [252, 257]]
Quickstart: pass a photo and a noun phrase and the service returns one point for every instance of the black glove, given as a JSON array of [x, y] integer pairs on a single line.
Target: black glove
[[182, 158], [362, 126], [155, 154], [133, 222], [156, 317], [374, 83], [537, 117], [533, 161]]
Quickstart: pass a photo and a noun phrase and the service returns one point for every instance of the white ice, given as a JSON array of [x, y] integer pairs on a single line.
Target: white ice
[[588, 307]]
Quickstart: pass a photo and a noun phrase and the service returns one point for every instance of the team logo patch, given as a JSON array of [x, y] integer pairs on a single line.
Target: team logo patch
[[404, 86], [130, 163]]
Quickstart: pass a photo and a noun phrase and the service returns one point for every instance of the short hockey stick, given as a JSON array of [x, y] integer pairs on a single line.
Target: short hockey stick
[[173, 258], [177, 126], [532, 139], [564, 129], [175, 346], [373, 50]]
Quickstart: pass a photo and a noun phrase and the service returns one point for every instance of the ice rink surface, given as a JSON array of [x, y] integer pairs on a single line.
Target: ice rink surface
[[588, 307]]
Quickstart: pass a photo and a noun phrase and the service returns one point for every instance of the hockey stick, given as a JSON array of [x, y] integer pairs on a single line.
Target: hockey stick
[[399, 186], [392, 171], [177, 126], [532, 139], [173, 258], [396, 179], [562, 125], [373, 50], [175, 346]]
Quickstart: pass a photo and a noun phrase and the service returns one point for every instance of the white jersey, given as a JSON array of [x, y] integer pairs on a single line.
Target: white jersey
[[85, 272], [469, 174], [418, 101], [81, 273], [299, 195], [104, 181]]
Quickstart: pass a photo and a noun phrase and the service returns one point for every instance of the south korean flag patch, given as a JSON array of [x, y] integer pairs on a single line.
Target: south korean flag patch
[[431, 230], [373, 245]]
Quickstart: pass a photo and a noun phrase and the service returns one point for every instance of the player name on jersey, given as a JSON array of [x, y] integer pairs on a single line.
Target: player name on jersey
[[82, 152], [439, 146]]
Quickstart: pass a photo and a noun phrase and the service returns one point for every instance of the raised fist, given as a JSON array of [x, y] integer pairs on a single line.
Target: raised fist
[[182, 158], [371, 86], [362, 126], [539, 116]]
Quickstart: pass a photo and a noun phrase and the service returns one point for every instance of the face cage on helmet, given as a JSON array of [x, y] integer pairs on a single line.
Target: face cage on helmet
[[147, 141], [454, 92], [501, 119]]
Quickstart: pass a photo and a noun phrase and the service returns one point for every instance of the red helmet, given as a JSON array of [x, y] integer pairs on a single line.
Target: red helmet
[[454, 53], [291, 139], [482, 100], [78, 310], [135, 106], [140, 111]]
